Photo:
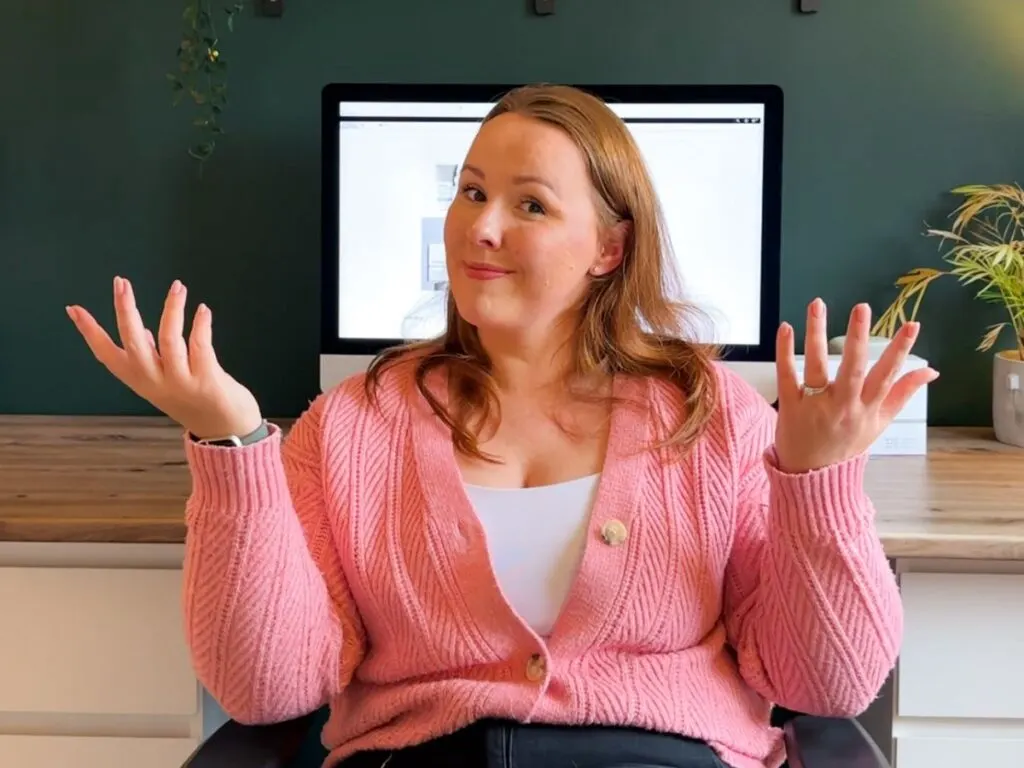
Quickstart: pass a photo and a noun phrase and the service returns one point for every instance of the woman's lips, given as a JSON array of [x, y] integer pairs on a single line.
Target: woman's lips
[[478, 270]]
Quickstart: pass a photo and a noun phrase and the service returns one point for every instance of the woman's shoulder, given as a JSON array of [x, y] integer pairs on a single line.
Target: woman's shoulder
[[735, 393], [737, 405], [378, 395], [732, 392]]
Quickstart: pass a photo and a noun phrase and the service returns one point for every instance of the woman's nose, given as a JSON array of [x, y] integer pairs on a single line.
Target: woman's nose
[[486, 229]]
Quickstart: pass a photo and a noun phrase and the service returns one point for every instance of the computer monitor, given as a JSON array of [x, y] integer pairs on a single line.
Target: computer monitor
[[391, 157]]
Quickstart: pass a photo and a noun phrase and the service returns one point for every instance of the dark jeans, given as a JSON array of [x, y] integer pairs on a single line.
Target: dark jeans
[[501, 744]]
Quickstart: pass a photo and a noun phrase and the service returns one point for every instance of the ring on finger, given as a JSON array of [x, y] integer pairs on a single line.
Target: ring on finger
[[808, 390]]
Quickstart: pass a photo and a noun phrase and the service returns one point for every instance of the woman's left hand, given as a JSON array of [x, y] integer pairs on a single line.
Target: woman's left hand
[[823, 422]]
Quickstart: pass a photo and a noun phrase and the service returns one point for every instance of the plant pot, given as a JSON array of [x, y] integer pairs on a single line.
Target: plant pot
[[1008, 397]]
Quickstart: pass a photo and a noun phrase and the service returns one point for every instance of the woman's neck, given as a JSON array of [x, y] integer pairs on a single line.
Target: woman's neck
[[528, 365]]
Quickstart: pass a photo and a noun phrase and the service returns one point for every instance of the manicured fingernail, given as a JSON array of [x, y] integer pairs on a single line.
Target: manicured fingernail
[[913, 329], [817, 307], [118, 286], [70, 311], [176, 287]]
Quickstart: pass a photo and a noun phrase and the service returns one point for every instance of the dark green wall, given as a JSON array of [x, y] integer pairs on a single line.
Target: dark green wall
[[888, 105]]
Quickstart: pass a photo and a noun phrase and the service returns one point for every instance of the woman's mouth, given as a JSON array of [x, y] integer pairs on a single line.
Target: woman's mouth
[[478, 270]]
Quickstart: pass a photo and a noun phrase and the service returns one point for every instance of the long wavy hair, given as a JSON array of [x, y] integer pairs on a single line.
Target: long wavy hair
[[629, 322]]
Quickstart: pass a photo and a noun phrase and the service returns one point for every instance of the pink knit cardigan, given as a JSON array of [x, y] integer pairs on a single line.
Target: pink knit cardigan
[[345, 565]]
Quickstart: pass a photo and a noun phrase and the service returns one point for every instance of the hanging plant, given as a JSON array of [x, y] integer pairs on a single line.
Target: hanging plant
[[201, 76]]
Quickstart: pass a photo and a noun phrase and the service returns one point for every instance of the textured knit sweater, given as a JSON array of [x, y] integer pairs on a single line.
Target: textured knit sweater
[[344, 565]]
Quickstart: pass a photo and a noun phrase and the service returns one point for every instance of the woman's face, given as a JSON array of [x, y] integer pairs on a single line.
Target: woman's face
[[523, 233]]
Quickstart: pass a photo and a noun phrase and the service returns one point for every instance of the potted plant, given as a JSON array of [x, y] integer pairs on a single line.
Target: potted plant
[[987, 255], [201, 75]]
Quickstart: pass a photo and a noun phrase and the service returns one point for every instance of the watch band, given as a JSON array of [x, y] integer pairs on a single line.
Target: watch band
[[234, 441]]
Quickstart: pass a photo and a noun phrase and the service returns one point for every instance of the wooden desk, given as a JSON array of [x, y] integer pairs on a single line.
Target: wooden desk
[[92, 531], [124, 480]]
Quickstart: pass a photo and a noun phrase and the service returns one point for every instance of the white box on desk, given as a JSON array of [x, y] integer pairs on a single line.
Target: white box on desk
[[907, 435]]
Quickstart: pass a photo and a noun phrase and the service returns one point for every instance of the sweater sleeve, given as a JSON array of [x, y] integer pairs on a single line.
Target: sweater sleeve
[[271, 625], [812, 607]]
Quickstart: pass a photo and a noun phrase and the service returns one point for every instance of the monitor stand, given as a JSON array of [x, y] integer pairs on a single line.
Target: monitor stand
[[336, 368]]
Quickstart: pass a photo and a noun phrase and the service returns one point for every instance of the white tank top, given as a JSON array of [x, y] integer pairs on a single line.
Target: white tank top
[[535, 537]]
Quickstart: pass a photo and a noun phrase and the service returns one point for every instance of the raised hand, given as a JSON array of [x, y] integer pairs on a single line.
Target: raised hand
[[823, 422], [184, 380]]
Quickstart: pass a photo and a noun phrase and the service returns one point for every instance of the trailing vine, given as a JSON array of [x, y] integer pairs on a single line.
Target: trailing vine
[[201, 76]]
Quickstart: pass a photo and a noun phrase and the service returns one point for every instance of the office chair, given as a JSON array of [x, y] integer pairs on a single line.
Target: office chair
[[811, 742]]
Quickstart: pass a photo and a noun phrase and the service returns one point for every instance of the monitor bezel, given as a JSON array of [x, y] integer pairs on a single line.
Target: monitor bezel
[[771, 96]]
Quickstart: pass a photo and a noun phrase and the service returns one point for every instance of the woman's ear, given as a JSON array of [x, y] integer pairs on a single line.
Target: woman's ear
[[613, 248]]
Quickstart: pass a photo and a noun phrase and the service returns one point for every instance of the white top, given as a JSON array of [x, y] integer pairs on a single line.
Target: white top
[[535, 537]]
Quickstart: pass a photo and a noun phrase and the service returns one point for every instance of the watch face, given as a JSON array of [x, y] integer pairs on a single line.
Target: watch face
[[224, 441]]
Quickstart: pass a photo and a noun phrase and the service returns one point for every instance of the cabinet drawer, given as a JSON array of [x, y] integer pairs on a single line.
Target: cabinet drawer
[[94, 641], [962, 646], [918, 752], [93, 752]]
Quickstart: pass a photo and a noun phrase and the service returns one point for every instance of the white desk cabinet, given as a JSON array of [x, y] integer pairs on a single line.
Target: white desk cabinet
[[958, 698], [94, 670]]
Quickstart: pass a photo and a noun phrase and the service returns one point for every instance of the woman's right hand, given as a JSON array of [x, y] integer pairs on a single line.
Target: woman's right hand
[[184, 380]]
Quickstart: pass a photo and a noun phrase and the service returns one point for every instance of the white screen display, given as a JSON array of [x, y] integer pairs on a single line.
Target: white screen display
[[398, 173]]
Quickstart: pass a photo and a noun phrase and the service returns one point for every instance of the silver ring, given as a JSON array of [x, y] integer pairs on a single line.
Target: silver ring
[[809, 390]]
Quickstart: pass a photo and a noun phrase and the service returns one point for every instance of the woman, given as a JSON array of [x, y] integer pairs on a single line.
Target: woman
[[561, 534]]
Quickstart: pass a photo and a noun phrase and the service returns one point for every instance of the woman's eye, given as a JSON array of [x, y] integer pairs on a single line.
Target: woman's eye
[[473, 193], [533, 207]]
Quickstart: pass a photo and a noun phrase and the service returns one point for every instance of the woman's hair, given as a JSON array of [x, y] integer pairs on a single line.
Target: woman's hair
[[628, 324]]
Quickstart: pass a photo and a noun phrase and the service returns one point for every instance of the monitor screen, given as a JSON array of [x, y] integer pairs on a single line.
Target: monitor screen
[[395, 156]]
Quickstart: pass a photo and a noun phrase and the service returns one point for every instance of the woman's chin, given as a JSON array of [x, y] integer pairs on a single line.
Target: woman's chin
[[486, 314]]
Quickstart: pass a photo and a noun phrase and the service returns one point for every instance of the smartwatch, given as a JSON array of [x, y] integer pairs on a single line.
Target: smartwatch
[[234, 441]]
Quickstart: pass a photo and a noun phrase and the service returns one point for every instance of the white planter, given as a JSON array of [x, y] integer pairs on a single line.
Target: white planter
[[1008, 397], [876, 345]]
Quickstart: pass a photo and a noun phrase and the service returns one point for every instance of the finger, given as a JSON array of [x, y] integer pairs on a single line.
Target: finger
[[854, 364], [173, 351], [879, 379], [904, 389], [98, 340], [785, 365], [131, 329], [816, 345], [202, 358], [151, 340]]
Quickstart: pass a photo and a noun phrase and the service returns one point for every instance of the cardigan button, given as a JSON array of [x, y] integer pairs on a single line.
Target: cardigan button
[[614, 533], [536, 668]]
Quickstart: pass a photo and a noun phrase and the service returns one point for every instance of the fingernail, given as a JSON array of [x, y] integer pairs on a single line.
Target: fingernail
[[913, 329], [817, 307], [176, 287], [118, 286], [71, 312]]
